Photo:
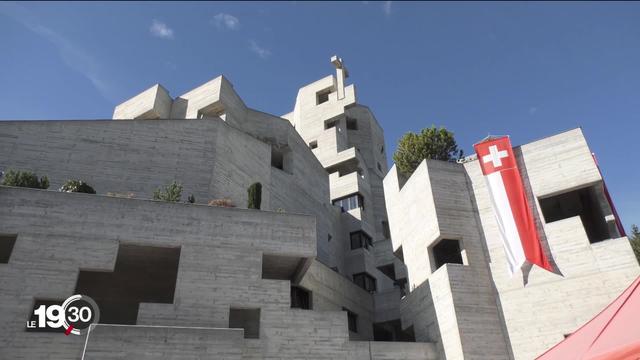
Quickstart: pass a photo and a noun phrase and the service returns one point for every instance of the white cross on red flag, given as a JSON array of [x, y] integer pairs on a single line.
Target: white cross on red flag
[[510, 205]]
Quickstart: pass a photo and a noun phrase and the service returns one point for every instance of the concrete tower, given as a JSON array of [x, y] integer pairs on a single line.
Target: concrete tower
[[348, 141]]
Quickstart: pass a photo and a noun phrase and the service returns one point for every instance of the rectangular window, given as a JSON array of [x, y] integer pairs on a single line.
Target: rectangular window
[[365, 281], [300, 298], [388, 270], [447, 252], [352, 124], [281, 158], [277, 158], [360, 239], [584, 203], [313, 144], [352, 320], [322, 96], [350, 202], [330, 124], [6, 247]]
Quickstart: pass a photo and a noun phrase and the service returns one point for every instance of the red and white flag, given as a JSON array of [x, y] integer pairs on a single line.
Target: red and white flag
[[515, 220]]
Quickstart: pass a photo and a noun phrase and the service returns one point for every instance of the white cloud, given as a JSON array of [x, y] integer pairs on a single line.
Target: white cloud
[[161, 30], [386, 7], [227, 21], [260, 51], [71, 54]]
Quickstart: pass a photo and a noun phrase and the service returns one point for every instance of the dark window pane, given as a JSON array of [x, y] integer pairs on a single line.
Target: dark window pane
[[352, 320], [6, 247], [447, 251], [300, 298]]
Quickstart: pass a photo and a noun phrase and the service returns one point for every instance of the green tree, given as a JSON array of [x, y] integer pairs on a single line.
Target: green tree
[[24, 179], [77, 186], [430, 143], [171, 192], [255, 196], [634, 238]]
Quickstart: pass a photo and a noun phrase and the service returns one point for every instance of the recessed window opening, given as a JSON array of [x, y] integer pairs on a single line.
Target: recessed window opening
[[388, 270], [350, 202], [280, 267], [330, 124], [281, 158], [300, 298], [322, 96], [277, 158], [142, 274], [352, 320], [585, 203], [446, 252], [365, 281], [313, 144], [360, 239], [352, 124], [7, 243]]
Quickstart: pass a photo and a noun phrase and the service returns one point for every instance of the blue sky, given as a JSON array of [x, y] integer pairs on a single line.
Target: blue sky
[[524, 69]]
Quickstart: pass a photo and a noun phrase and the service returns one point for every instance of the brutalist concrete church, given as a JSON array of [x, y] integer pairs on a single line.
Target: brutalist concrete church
[[345, 259]]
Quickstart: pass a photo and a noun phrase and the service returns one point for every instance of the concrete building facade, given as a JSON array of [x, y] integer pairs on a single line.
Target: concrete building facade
[[442, 221], [340, 262]]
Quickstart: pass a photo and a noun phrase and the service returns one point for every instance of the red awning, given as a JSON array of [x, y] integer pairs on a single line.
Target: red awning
[[614, 334]]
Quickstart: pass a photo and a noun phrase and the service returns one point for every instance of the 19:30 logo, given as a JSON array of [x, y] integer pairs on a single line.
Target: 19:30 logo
[[75, 315]]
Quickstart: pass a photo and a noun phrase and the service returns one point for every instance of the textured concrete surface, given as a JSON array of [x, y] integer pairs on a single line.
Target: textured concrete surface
[[151, 342], [216, 146], [475, 310]]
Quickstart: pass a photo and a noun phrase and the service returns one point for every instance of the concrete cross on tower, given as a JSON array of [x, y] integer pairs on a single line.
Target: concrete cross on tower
[[495, 156], [342, 73]]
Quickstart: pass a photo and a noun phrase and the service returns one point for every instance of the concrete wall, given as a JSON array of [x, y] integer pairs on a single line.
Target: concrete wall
[[220, 267], [434, 205], [332, 292], [149, 342], [476, 310], [592, 274], [211, 159], [153, 103], [356, 161]]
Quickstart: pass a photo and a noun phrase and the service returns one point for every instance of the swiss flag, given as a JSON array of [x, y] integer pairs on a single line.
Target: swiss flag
[[511, 207]]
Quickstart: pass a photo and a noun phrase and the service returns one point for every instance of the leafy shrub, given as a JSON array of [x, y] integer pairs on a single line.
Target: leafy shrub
[[255, 196], [77, 186], [634, 238], [221, 203], [171, 192], [25, 179], [430, 143]]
